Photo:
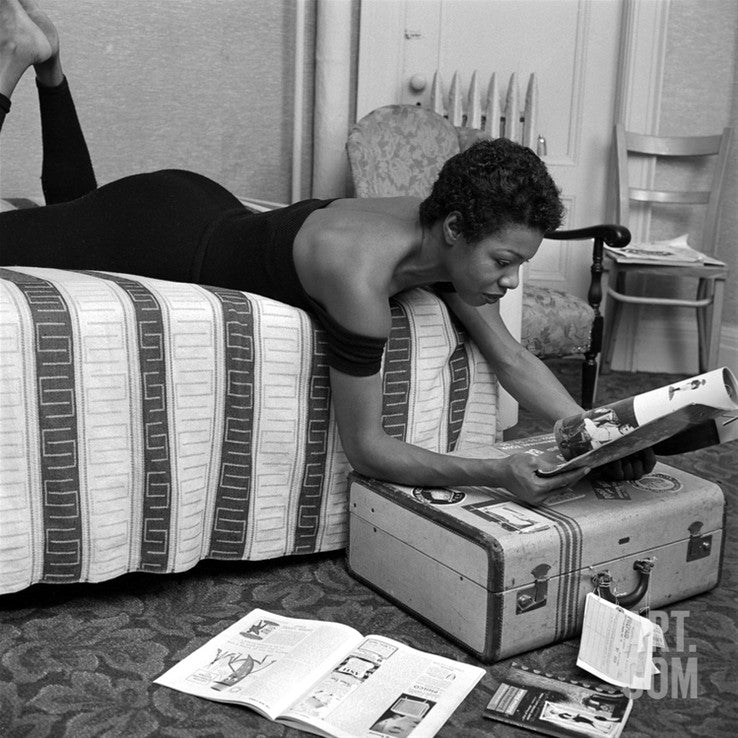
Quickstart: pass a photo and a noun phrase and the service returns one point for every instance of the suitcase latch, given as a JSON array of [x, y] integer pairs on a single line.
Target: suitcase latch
[[533, 597], [700, 546]]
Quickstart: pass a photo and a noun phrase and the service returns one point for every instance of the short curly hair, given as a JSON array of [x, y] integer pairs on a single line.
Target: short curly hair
[[494, 184]]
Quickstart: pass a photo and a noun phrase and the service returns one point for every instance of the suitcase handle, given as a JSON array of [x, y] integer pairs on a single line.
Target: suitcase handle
[[603, 584]]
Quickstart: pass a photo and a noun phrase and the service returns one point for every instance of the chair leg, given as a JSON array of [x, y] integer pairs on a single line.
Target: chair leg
[[613, 318], [713, 324], [590, 367], [589, 381], [702, 324], [709, 322], [607, 333]]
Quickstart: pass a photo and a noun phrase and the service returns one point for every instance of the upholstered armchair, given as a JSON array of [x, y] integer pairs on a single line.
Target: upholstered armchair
[[399, 150]]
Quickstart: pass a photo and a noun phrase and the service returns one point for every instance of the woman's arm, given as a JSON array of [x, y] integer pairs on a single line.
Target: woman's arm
[[358, 409], [351, 285], [521, 373], [530, 381]]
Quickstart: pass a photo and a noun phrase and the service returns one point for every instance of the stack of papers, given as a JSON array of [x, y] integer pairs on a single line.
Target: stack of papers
[[676, 252]]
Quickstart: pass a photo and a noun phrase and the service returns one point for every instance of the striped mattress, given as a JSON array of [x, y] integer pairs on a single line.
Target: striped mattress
[[146, 425]]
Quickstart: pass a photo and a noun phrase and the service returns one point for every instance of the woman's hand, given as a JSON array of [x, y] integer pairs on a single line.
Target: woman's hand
[[628, 468], [518, 475]]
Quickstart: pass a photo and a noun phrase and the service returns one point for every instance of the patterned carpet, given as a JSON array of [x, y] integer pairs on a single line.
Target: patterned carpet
[[79, 660]]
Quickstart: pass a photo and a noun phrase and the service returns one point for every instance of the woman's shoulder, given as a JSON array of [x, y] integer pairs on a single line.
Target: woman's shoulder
[[373, 210], [362, 221], [399, 206], [355, 243]]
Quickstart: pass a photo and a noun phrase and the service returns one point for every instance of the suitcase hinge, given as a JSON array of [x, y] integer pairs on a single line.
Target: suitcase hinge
[[533, 597], [699, 545]]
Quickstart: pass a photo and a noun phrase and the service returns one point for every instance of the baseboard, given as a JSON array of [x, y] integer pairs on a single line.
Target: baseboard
[[668, 345]]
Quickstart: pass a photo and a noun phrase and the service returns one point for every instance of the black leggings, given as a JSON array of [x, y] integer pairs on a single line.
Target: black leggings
[[152, 225], [66, 172]]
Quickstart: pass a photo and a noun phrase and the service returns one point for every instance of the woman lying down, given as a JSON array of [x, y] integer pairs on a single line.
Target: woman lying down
[[340, 260]]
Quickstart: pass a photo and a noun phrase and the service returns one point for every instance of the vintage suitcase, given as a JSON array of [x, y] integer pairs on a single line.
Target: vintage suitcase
[[500, 578]]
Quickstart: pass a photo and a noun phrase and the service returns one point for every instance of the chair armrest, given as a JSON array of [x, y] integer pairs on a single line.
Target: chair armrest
[[615, 236]]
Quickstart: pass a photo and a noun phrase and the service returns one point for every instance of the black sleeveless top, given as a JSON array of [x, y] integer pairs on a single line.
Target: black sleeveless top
[[253, 252]]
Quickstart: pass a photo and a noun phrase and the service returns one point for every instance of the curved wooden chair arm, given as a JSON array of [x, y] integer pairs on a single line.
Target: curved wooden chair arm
[[615, 236]]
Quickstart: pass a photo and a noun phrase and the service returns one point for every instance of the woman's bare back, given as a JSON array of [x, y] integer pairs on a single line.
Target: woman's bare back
[[368, 249]]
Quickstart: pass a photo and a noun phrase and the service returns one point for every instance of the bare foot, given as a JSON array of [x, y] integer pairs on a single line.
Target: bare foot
[[49, 72], [22, 43]]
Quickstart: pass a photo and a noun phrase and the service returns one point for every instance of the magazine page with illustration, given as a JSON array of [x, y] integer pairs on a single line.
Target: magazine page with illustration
[[325, 678]]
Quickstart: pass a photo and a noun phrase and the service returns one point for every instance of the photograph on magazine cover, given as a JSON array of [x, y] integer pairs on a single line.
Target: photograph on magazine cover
[[558, 706]]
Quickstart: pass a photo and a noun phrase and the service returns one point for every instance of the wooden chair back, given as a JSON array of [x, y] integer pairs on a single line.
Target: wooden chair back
[[673, 148]]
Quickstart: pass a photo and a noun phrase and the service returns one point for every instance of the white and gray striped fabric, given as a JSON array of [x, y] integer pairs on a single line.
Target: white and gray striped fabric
[[146, 425]]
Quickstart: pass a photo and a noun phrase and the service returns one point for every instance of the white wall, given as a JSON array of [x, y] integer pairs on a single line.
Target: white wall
[[698, 95], [198, 84]]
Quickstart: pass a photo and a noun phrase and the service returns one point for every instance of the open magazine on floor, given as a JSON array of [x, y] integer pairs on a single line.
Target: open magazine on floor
[[325, 678], [558, 706], [684, 416]]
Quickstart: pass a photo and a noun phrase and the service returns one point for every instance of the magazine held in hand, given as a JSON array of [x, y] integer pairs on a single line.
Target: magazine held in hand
[[325, 678], [676, 418], [510, 563]]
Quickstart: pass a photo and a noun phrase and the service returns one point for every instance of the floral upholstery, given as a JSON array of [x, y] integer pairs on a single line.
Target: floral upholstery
[[568, 334], [399, 150], [469, 136]]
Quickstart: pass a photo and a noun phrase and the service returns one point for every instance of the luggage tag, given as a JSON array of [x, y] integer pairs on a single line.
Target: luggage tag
[[659, 641], [617, 645]]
